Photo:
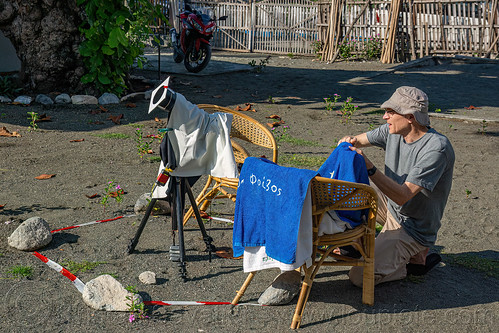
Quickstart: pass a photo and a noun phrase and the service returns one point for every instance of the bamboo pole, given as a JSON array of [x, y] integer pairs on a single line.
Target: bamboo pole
[[349, 30], [388, 52], [411, 30]]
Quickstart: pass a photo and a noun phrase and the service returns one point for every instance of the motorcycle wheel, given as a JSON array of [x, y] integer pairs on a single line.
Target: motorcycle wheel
[[178, 55], [196, 61]]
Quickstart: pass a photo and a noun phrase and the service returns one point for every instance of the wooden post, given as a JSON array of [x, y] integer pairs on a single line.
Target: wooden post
[[411, 29], [350, 30]]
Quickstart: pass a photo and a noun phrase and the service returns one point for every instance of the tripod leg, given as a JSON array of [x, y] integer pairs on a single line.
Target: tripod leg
[[135, 240], [207, 239], [178, 206]]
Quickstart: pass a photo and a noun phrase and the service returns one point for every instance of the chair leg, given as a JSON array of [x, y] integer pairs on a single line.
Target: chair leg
[[241, 291], [368, 283], [306, 286]]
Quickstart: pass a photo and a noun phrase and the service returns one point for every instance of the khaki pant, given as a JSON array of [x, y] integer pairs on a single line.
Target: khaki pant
[[393, 249]]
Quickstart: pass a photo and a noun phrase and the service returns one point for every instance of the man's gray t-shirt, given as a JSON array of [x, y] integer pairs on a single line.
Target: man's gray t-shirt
[[427, 162]]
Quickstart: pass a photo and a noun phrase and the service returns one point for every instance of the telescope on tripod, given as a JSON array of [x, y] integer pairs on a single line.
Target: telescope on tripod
[[195, 143]]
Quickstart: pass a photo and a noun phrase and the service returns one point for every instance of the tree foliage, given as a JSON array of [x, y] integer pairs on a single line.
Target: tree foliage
[[114, 38]]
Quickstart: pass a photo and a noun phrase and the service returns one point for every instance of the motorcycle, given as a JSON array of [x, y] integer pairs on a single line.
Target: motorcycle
[[193, 45]]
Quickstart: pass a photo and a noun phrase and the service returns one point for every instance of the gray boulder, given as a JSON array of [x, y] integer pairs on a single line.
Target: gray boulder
[[23, 100], [5, 99], [43, 99], [32, 234], [107, 294], [108, 98], [84, 99], [282, 290], [63, 99]]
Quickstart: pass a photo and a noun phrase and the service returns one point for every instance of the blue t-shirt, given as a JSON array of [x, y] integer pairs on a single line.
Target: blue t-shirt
[[427, 162]]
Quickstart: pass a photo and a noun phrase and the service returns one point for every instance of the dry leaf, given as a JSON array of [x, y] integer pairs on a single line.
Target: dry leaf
[[226, 252], [248, 107], [2, 206], [471, 107], [44, 176], [115, 194], [238, 108], [43, 117], [131, 105], [5, 132], [204, 215], [156, 119], [115, 119], [96, 122], [95, 195], [103, 109], [217, 96], [150, 151], [77, 140], [155, 136], [275, 124], [273, 116]]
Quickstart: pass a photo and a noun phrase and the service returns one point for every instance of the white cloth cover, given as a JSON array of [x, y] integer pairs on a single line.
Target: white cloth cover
[[201, 143], [255, 258]]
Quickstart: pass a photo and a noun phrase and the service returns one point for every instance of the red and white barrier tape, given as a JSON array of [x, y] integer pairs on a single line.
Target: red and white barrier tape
[[218, 219], [183, 303], [55, 266], [93, 222]]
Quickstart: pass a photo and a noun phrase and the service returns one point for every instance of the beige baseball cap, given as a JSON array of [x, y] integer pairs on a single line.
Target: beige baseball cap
[[409, 100]]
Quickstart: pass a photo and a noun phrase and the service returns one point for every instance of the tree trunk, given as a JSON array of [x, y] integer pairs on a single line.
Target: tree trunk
[[46, 38]]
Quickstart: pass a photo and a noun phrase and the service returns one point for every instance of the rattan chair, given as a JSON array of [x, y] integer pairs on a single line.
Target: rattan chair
[[245, 132], [329, 194]]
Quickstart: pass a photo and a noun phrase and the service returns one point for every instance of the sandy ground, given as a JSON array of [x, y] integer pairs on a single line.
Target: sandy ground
[[459, 296]]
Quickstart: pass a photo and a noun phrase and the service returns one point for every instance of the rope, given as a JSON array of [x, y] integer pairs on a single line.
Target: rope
[[58, 268], [93, 222]]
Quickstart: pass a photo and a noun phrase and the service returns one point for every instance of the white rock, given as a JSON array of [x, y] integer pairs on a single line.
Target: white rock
[[147, 277], [162, 207], [5, 99], [106, 293], [32, 234], [84, 99], [63, 99], [108, 98], [282, 290], [44, 99], [23, 100]]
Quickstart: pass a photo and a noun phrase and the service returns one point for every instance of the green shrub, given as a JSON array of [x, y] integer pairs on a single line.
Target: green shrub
[[114, 38]]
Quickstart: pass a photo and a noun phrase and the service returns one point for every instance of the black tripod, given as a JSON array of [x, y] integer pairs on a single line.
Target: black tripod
[[177, 188]]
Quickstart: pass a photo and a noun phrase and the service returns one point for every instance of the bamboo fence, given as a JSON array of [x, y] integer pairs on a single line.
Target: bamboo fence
[[402, 29]]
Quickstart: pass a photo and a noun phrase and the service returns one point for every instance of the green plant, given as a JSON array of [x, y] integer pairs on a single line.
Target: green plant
[[80, 267], [290, 55], [143, 146], [33, 117], [347, 48], [371, 127], [20, 271], [271, 100], [348, 109], [317, 48], [8, 86], [259, 68], [483, 130], [468, 193], [489, 266], [331, 102], [112, 190], [372, 48], [136, 310], [114, 34], [280, 132]]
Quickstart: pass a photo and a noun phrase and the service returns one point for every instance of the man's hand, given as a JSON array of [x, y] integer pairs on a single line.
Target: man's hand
[[350, 139], [369, 164], [358, 141]]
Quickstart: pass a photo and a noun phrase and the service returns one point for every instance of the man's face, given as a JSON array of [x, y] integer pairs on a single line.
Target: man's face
[[397, 123]]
